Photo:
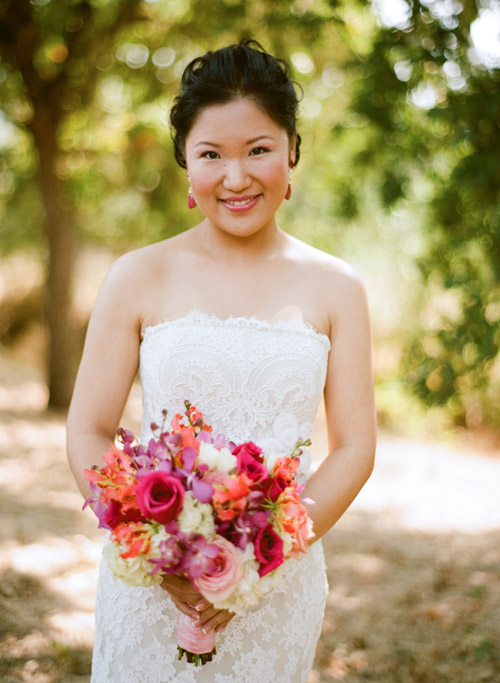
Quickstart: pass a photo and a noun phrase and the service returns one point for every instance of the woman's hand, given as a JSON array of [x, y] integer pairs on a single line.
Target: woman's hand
[[214, 619], [189, 601], [184, 595]]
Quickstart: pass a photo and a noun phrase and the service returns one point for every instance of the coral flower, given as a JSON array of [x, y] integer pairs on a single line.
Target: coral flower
[[293, 519], [229, 498]]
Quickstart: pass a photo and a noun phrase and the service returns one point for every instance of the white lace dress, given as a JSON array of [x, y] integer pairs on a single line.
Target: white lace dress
[[253, 380]]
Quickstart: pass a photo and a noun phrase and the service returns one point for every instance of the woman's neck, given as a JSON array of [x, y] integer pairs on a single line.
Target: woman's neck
[[223, 245]]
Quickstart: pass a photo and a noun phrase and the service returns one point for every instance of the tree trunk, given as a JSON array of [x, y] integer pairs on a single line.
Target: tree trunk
[[61, 249]]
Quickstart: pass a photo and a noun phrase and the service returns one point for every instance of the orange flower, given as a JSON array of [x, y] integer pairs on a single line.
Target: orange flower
[[229, 498], [136, 537], [286, 468]]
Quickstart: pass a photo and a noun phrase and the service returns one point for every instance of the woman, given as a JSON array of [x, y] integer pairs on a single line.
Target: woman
[[251, 325]]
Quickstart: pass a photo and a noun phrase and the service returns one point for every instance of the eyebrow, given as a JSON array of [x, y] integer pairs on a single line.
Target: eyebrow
[[248, 142]]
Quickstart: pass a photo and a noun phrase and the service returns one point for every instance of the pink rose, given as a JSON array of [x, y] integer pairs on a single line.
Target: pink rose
[[160, 496], [268, 549], [228, 572], [250, 449]]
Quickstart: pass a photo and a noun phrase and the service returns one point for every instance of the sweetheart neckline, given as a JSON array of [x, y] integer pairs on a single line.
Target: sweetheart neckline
[[252, 321]]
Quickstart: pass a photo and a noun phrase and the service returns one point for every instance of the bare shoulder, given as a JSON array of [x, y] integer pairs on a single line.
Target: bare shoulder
[[134, 275], [333, 276], [140, 264]]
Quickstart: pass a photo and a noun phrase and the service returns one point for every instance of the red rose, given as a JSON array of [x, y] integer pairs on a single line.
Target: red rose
[[268, 549], [250, 465], [251, 449], [273, 487], [160, 496], [115, 515]]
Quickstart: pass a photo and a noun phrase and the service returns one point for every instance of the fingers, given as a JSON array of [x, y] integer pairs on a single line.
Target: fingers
[[184, 595], [189, 601], [214, 619], [180, 587]]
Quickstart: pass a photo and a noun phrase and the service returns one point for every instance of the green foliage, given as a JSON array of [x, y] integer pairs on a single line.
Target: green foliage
[[430, 119], [401, 140]]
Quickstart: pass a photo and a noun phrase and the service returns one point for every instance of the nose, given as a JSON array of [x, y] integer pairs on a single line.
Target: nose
[[236, 177]]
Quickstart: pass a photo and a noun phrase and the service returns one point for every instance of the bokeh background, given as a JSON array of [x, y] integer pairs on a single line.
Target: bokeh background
[[399, 175]]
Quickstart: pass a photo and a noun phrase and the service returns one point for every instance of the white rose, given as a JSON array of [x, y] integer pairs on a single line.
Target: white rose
[[216, 459], [196, 516]]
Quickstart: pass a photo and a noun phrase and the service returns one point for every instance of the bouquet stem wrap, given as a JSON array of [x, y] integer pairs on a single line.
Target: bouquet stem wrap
[[198, 647]]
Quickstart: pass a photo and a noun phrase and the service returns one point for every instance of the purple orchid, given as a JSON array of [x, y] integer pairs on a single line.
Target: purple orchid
[[200, 556], [172, 552], [99, 507], [192, 479], [243, 528], [190, 553]]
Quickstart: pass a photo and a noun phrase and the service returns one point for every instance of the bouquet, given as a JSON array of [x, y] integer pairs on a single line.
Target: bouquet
[[223, 515]]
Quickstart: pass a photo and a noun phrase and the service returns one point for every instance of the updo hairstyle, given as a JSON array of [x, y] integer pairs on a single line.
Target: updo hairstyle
[[233, 72]]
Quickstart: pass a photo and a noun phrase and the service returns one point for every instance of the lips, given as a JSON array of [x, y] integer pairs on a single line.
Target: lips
[[240, 204]]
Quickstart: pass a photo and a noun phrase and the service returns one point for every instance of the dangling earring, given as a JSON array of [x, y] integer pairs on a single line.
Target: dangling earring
[[289, 188], [191, 199]]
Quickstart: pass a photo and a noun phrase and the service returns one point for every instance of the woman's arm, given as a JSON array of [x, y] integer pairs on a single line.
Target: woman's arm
[[350, 409], [107, 370]]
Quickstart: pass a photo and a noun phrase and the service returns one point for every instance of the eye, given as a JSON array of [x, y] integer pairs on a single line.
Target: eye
[[210, 155], [258, 151]]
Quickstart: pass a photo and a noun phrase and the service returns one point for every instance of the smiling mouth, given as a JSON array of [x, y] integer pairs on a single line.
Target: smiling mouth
[[244, 201], [240, 203]]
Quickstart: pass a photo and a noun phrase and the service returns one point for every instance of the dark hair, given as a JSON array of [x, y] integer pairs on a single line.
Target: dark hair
[[243, 70]]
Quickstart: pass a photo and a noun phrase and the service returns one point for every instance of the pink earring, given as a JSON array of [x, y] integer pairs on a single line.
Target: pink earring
[[191, 199], [289, 188]]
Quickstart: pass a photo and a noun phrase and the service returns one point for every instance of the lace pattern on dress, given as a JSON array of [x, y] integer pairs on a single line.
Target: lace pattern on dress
[[253, 380], [242, 373]]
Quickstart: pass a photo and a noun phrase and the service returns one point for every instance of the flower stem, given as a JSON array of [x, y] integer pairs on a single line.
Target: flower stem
[[196, 659]]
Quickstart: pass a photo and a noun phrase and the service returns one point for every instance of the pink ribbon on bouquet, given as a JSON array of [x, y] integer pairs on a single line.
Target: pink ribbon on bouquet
[[198, 647]]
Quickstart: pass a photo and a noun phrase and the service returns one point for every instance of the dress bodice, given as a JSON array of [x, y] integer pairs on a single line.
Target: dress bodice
[[252, 379]]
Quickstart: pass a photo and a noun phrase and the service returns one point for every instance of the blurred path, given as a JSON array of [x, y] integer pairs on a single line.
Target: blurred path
[[413, 565], [421, 485]]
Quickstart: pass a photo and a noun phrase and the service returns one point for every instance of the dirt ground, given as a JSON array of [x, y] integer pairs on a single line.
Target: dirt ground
[[413, 566]]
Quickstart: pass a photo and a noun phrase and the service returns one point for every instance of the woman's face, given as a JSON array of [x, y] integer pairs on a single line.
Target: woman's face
[[238, 162]]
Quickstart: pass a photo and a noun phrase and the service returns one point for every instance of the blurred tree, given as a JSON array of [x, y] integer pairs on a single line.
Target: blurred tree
[[424, 127], [89, 83], [47, 45]]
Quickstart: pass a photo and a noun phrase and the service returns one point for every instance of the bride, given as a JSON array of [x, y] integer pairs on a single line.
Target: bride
[[252, 326]]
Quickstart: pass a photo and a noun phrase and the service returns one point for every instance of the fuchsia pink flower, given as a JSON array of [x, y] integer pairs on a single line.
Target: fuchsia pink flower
[[250, 462], [160, 496]]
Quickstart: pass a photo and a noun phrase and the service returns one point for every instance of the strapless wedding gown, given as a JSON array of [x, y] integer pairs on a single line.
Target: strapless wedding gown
[[253, 380]]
